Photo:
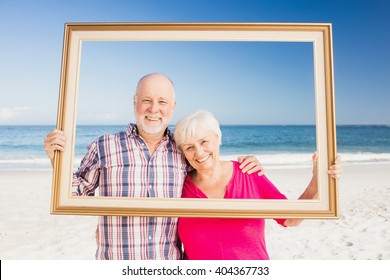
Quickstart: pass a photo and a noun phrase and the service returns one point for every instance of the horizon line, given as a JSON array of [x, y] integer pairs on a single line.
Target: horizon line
[[222, 124]]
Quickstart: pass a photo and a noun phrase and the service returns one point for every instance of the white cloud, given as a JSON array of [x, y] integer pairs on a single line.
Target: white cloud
[[99, 118], [26, 115], [7, 114], [33, 116]]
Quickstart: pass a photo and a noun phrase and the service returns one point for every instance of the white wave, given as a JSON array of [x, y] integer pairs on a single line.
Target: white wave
[[38, 161], [304, 160], [365, 157], [268, 160]]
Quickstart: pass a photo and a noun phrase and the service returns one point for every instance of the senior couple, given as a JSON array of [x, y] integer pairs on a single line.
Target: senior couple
[[146, 160]]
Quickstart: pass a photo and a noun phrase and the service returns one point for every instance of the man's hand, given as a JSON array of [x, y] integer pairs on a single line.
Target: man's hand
[[250, 164], [54, 141]]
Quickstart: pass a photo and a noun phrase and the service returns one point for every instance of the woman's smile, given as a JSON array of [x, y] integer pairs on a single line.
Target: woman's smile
[[203, 159]]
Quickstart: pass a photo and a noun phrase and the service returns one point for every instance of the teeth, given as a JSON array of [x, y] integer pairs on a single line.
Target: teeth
[[152, 119], [203, 159]]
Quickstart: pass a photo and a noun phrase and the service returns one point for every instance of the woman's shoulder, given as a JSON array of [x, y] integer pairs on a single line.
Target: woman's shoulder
[[189, 188], [237, 171]]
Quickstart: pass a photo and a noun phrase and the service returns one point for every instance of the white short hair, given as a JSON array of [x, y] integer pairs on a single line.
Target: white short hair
[[186, 128]]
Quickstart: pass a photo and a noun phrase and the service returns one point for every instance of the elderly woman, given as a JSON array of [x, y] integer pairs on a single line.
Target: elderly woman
[[198, 136]]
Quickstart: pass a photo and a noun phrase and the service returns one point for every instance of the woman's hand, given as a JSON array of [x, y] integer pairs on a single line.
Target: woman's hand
[[335, 170]]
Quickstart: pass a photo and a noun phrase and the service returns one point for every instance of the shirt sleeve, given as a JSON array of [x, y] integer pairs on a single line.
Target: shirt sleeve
[[271, 192], [86, 178]]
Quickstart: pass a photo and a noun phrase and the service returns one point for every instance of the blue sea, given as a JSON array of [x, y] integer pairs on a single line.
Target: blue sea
[[277, 146]]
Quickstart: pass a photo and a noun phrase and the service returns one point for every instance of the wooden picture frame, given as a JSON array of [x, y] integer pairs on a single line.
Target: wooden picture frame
[[320, 35]]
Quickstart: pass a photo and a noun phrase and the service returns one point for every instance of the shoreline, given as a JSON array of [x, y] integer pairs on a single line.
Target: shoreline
[[270, 160], [29, 232]]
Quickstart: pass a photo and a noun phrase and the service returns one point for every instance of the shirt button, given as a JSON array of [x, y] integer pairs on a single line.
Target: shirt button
[[150, 237], [150, 186]]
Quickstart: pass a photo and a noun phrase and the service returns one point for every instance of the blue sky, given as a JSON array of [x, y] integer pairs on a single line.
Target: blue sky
[[31, 51]]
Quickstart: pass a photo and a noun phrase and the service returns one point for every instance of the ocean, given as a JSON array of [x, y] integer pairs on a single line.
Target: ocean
[[276, 146]]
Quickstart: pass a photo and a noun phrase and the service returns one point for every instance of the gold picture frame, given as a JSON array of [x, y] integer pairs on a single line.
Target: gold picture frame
[[320, 35]]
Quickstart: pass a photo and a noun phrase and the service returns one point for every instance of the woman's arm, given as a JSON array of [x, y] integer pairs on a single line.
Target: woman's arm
[[311, 192]]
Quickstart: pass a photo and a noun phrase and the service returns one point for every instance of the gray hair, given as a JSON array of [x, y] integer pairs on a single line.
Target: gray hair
[[186, 128]]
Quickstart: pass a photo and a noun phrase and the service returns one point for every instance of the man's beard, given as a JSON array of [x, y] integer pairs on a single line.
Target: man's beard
[[151, 128]]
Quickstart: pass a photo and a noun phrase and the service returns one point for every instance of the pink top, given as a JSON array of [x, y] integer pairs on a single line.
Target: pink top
[[228, 238]]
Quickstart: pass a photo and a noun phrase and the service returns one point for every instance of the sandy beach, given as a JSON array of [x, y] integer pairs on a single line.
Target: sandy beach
[[29, 232], [362, 231]]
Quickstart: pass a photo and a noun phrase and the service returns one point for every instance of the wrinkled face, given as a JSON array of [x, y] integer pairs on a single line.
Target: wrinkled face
[[153, 105], [202, 152]]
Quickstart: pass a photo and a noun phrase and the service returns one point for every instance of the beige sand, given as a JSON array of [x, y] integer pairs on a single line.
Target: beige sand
[[361, 232], [28, 231]]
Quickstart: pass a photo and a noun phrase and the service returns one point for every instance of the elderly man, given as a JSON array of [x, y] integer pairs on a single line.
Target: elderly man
[[141, 161]]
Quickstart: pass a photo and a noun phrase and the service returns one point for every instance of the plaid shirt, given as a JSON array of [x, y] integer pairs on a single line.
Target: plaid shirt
[[121, 166]]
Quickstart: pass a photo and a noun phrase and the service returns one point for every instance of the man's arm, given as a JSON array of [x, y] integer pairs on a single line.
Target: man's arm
[[86, 179], [250, 164]]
